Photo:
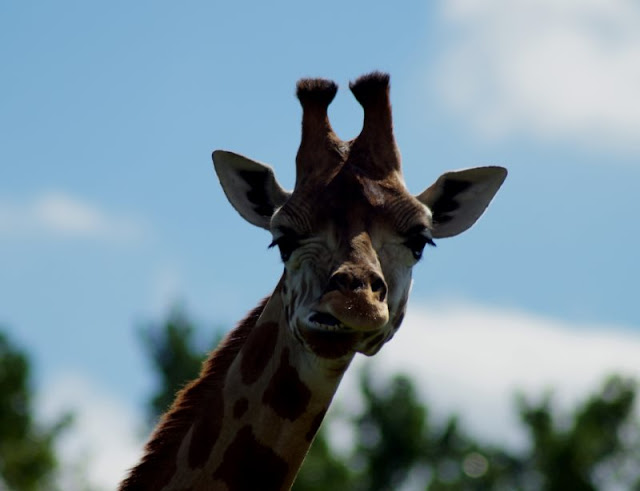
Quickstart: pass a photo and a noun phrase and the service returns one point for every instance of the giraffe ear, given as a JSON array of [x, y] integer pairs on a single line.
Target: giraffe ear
[[457, 199], [251, 187]]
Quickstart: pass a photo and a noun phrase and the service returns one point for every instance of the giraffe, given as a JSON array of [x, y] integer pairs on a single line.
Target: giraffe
[[349, 235]]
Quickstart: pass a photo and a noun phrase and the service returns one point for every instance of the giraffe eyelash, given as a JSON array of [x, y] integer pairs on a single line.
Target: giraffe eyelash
[[287, 243], [416, 244]]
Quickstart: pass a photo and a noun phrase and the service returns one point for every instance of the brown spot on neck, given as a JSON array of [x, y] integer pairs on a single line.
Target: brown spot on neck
[[286, 394], [257, 351], [248, 465]]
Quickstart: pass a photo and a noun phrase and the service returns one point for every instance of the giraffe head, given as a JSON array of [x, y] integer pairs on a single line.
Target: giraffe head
[[350, 233]]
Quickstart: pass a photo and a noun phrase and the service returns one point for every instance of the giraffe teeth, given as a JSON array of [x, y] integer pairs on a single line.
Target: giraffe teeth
[[327, 322]]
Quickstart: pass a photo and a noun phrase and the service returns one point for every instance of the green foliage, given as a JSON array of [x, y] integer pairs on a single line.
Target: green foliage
[[601, 444], [390, 432], [27, 458]]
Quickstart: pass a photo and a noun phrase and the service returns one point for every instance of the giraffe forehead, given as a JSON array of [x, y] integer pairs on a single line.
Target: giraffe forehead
[[350, 199]]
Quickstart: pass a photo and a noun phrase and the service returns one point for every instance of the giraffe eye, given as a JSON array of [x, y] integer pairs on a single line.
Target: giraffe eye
[[416, 244], [287, 243]]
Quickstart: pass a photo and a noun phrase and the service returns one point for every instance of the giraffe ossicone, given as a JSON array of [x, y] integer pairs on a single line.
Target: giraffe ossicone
[[349, 235]]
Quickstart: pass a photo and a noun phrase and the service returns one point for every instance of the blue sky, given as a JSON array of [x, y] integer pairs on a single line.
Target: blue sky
[[111, 214]]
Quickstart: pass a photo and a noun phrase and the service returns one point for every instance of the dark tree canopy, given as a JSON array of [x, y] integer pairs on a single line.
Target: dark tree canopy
[[27, 456]]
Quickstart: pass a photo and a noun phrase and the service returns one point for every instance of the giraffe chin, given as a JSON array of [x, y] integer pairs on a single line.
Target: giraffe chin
[[328, 337]]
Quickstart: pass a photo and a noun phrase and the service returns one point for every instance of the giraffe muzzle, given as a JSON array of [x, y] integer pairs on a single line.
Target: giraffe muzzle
[[360, 310]]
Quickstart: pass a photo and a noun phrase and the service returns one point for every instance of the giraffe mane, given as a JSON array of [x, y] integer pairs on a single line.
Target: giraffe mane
[[159, 461]]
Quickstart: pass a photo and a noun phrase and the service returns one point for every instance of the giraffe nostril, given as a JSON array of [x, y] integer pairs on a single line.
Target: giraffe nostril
[[345, 283], [356, 284], [339, 281], [380, 287]]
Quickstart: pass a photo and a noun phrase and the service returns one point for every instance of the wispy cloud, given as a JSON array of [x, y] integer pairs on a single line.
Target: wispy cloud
[[60, 215], [557, 70]]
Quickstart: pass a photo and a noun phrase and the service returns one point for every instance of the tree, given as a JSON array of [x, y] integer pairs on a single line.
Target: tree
[[27, 456], [390, 432], [598, 447], [396, 442], [399, 441]]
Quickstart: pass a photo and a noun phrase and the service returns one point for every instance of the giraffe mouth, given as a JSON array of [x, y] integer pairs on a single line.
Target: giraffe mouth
[[327, 321]]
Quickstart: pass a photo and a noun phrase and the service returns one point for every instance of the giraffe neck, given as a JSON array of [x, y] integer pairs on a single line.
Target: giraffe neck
[[247, 422]]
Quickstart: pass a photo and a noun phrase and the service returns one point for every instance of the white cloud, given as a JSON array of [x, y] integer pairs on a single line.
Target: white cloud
[[472, 360], [60, 215], [103, 440], [557, 69]]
